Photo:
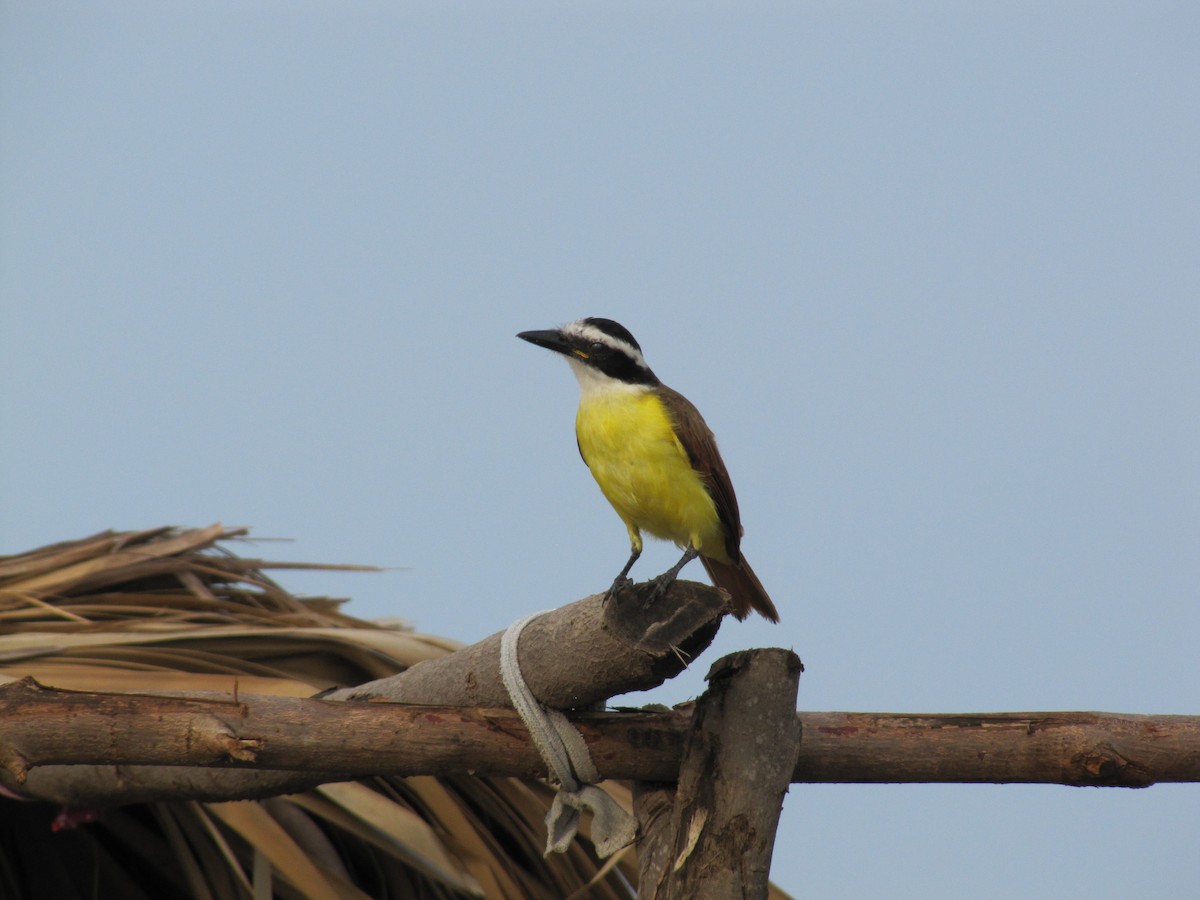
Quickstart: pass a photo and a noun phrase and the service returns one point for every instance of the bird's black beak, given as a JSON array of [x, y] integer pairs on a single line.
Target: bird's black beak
[[551, 340]]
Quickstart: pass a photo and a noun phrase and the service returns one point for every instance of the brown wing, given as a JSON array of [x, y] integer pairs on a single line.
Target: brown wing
[[702, 451]]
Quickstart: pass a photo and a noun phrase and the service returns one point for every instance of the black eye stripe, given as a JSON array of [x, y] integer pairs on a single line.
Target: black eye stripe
[[614, 330]]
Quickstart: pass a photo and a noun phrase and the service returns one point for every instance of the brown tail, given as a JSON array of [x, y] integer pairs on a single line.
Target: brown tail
[[744, 588]]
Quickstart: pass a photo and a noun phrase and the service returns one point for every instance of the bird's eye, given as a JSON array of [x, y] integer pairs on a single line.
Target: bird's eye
[[596, 347]]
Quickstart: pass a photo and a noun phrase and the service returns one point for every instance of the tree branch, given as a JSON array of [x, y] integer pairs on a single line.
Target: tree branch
[[1072, 748], [45, 726], [77, 735]]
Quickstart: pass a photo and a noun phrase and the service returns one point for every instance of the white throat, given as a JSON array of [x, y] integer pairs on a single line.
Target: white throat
[[594, 383]]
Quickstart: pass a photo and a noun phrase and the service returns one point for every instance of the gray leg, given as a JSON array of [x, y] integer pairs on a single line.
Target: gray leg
[[667, 578], [621, 578]]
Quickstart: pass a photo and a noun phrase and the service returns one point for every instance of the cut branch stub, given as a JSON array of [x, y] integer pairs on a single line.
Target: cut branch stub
[[571, 657]]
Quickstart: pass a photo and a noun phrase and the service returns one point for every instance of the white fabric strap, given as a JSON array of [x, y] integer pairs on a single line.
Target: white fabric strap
[[567, 757]]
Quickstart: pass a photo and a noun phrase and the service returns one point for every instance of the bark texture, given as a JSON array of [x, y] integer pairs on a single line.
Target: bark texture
[[252, 743], [735, 771], [1084, 749], [572, 657]]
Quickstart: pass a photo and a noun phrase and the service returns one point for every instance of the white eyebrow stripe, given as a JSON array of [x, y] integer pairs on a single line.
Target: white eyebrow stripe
[[586, 332]]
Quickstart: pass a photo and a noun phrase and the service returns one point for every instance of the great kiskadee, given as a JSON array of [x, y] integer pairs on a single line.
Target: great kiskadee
[[655, 459]]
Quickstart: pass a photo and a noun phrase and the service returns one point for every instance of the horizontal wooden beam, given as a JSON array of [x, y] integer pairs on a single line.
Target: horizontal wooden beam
[[322, 740]]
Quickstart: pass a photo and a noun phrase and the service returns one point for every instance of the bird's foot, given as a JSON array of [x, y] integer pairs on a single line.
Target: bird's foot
[[658, 587], [618, 585]]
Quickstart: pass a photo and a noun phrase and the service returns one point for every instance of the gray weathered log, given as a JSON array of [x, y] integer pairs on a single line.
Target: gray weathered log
[[572, 657], [653, 805]]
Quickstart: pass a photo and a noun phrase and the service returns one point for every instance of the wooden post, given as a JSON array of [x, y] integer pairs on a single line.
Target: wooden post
[[737, 765]]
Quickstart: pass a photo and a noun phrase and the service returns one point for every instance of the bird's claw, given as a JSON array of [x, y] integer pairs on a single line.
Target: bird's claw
[[618, 585], [658, 588]]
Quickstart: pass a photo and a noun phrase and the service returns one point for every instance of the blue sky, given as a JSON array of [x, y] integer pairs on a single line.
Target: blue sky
[[930, 271]]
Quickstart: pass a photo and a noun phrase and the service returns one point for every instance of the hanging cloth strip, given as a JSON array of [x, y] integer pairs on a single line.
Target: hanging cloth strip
[[570, 764]]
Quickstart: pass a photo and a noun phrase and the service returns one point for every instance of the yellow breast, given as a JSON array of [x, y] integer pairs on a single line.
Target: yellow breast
[[627, 440]]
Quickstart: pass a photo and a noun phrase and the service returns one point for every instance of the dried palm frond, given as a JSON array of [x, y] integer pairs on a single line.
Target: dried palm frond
[[169, 610]]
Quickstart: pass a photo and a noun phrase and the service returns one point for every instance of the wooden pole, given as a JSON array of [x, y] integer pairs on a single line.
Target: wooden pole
[[68, 734], [735, 771]]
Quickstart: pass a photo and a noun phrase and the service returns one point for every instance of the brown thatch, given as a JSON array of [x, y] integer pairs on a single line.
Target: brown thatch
[[168, 609]]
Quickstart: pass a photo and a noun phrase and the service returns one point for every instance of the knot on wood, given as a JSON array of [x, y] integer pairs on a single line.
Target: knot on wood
[[239, 749], [1104, 765], [17, 764]]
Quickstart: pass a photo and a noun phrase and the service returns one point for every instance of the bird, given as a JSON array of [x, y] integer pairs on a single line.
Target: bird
[[655, 460]]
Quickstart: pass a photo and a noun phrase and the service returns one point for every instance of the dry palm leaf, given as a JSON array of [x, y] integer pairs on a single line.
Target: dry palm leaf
[[169, 610]]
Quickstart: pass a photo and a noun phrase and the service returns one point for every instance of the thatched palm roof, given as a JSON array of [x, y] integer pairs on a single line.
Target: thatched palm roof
[[171, 610]]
